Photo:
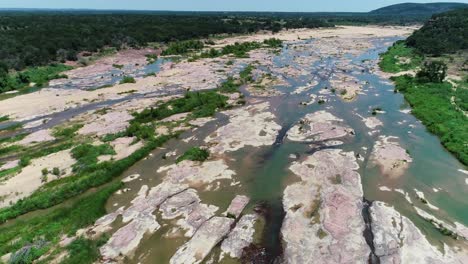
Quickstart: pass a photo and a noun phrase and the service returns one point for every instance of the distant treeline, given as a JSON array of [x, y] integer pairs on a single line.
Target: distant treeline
[[34, 39], [38, 37], [443, 33]]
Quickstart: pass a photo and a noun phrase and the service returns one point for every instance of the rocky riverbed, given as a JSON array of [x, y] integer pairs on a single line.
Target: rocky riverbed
[[300, 168]]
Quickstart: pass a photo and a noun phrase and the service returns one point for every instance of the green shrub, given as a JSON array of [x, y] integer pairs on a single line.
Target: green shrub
[[56, 171], [84, 251], [183, 47], [194, 154], [86, 155], [66, 132], [229, 86], [201, 104], [127, 79], [432, 71]]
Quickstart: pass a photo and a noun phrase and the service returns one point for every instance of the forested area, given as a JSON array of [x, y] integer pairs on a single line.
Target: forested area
[[33, 39], [443, 33], [37, 38]]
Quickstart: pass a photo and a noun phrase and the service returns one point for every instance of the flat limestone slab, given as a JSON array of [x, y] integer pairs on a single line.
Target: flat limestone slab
[[206, 237], [237, 205]]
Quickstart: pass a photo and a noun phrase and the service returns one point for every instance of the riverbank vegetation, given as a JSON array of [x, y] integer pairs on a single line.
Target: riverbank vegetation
[[400, 57], [32, 237], [89, 173], [431, 104], [31, 77], [437, 102]]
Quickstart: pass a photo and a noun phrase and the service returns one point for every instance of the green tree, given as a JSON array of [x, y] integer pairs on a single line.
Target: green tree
[[432, 71]]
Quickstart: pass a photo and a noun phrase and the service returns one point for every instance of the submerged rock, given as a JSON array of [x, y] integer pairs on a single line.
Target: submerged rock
[[319, 126], [200, 245]]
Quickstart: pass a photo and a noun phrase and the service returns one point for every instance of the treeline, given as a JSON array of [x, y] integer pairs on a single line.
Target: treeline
[[35, 39], [443, 33]]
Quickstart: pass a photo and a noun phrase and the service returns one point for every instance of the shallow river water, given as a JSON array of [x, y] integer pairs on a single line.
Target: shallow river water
[[263, 172]]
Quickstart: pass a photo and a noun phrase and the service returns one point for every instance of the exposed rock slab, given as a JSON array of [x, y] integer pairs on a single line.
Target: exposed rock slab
[[240, 237], [126, 239], [200, 245], [187, 207], [323, 211], [392, 159], [196, 173], [398, 240], [37, 137], [319, 126], [237, 205], [253, 125]]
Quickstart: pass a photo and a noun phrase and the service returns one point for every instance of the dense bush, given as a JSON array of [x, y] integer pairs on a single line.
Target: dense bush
[[201, 104], [127, 79], [182, 47], [431, 104], [86, 155], [432, 71], [194, 154]]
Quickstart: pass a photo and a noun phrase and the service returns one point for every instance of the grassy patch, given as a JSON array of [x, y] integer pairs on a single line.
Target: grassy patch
[[399, 58], [127, 79], [195, 154], [62, 189], [7, 172], [86, 155], [40, 76], [201, 104], [84, 251], [10, 149], [66, 132], [229, 86], [49, 227]]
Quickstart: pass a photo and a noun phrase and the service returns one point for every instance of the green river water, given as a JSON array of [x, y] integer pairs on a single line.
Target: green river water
[[263, 172]]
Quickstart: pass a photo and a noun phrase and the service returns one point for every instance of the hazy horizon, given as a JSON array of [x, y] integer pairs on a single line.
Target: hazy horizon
[[213, 5]]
